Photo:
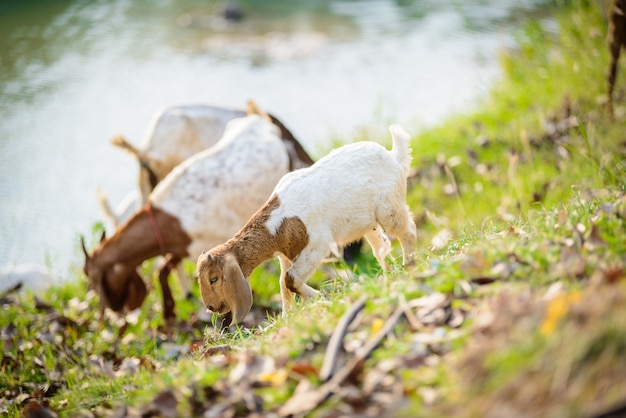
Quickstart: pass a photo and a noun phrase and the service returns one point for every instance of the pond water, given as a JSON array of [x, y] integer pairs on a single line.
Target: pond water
[[75, 73]]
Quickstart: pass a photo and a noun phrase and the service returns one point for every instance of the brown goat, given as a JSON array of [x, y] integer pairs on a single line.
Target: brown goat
[[112, 267], [616, 39]]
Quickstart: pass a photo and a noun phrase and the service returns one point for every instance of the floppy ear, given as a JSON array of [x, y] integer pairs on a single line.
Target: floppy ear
[[136, 292], [237, 292]]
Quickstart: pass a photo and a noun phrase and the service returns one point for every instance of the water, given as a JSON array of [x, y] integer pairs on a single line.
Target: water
[[75, 73]]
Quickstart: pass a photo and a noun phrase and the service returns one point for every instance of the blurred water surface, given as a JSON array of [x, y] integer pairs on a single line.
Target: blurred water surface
[[73, 73]]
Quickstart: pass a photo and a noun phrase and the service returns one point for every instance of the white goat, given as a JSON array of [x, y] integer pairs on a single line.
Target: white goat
[[358, 190], [177, 133], [201, 203]]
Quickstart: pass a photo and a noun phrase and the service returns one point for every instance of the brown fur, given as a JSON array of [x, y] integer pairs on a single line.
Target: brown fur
[[616, 39], [254, 243], [112, 266], [251, 246]]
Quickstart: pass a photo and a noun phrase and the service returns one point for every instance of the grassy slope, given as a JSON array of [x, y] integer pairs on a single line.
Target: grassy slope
[[517, 198]]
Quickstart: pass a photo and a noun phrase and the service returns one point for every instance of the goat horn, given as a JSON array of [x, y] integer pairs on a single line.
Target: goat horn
[[103, 236], [82, 243]]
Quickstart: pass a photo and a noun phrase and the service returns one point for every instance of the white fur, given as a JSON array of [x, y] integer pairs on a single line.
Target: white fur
[[177, 133], [214, 192], [358, 190], [173, 135]]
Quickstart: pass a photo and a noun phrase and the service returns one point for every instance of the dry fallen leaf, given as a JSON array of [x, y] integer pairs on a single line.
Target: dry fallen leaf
[[305, 369], [164, 405], [34, 409], [483, 280]]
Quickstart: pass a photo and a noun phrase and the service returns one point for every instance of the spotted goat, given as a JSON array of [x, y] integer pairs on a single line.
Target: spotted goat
[[358, 190]]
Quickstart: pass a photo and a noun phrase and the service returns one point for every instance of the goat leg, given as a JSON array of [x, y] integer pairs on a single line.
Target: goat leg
[[168, 299]]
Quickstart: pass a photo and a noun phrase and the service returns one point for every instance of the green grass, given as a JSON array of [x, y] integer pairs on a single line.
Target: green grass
[[530, 268]]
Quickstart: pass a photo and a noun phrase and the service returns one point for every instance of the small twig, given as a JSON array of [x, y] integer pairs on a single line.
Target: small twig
[[306, 401], [455, 187], [335, 343], [410, 316]]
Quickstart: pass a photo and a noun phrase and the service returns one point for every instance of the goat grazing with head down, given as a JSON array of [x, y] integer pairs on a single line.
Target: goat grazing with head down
[[175, 134], [201, 203], [358, 190]]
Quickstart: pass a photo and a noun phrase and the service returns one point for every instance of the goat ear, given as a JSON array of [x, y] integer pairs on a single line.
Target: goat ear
[[253, 109], [237, 292], [82, 243], [136, 292]]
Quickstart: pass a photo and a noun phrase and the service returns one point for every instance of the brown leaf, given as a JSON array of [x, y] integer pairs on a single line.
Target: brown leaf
[[482, 280], [195, 346], [34, 409], [610, 275], [8, 362], [164, 405], [305, 369]]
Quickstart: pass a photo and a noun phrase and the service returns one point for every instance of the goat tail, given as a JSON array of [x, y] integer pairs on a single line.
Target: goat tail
[[105, 208], [121, 142], [401, 147]]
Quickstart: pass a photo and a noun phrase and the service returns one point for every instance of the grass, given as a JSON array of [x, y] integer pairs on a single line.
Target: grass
[[517, 298]]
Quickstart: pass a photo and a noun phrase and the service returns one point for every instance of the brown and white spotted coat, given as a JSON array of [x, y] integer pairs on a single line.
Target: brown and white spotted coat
[[358, 190]]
